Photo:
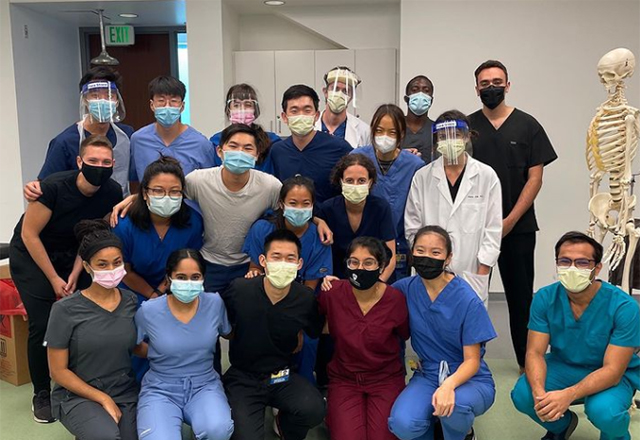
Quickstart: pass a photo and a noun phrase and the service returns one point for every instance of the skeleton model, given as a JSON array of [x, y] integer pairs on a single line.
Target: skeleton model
[[612, 141]]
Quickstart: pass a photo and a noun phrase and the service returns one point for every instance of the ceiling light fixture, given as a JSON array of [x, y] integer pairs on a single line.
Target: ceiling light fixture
[[274, 3], [128, 15]]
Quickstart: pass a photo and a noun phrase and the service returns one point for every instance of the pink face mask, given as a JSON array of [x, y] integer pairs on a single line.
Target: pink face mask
[[109, 278], [242, 116]]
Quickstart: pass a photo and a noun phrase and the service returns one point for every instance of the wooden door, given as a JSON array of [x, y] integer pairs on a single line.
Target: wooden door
[[149, 57]]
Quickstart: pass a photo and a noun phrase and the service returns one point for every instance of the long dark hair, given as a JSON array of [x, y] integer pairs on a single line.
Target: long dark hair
[[139, 213], [277, 218], [184, 254]]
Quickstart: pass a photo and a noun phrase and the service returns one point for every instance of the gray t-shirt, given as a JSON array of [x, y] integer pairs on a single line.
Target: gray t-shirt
[[100, 345], [228, 215], [422, 140]]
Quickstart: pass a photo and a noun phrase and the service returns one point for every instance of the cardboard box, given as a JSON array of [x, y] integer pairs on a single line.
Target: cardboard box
[[14, 331]]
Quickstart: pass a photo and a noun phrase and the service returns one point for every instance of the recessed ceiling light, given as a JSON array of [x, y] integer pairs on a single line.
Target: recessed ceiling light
[[274, 3], [128, 15]]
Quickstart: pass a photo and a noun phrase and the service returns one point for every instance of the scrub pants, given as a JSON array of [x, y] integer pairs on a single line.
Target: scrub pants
[[89, 421], [608, 410], [166, 402], [516, 263], [306, 359], [359, 410], [216, 280], [301, 405], [412, 414]]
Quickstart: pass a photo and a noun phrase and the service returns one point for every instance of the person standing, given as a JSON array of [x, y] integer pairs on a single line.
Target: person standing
[[417, 137], [516, 146]]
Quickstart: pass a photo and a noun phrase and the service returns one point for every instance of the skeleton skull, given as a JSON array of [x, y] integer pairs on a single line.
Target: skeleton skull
[[615, 66]]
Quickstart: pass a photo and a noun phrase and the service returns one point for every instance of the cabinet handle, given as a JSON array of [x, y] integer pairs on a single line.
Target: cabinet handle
[[271, 126], [280, 126]]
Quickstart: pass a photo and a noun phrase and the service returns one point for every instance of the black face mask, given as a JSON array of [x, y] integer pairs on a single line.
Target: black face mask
[[492, 96], [97, 176], [427, 267], [362, 279]]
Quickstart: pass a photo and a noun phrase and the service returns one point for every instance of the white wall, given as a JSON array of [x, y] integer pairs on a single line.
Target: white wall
[[273, 32], [230, 42], [551, 49], [47, 72], [11, 204]]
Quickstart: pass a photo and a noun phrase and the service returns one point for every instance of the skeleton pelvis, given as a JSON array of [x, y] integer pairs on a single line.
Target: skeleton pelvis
[[600, 205]]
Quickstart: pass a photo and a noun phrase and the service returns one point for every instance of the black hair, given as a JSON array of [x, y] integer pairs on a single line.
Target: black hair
[[263, 143], [139, 213], [349, 160], [298, 91], [240, 89], [396, 115], [454, 115], [101, 73], [434, 229], [574, 237], [167, 85], [407, 88], [184, 254], [375, 246], [490, 64], [277, 218], [93, 236], [282, 235], [95, 140]]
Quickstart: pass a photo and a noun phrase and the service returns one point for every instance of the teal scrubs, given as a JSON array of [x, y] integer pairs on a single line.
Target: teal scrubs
[[578, 348]]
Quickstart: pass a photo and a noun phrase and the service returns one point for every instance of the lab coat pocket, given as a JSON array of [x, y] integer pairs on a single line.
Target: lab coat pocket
[[470, 217], [479, 283]]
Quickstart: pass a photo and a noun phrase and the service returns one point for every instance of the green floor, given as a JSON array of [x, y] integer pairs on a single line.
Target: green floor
[[502, 422]]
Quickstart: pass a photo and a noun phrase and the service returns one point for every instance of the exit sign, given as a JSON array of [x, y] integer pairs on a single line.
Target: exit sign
[[119, 35]]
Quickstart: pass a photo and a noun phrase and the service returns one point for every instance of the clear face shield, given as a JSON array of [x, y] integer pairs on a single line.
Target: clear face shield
[[242, 108], [341, 89], [452, 141], [101, 101]]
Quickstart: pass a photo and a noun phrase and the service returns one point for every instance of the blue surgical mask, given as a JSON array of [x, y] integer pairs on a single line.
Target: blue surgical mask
[[102, 110], [238, 162], [186, 291], [164, 206], [298, 216], [419, 103], [167, 116]]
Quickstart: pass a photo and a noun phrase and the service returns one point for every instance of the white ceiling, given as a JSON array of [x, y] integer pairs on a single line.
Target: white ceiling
[[150, 13], [258, 6]]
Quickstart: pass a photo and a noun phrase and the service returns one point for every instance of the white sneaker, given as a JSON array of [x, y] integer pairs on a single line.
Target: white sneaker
[[276, 428]]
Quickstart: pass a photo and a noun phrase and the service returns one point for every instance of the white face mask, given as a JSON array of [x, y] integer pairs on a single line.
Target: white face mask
[[573, 279], [384, 144]]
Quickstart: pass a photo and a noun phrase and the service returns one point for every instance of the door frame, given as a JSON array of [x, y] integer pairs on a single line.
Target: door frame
[[173, 31]]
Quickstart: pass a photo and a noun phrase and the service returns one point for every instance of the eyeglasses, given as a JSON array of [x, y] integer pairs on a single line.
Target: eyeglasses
[[174, 194], [580, 263], [367, 264]]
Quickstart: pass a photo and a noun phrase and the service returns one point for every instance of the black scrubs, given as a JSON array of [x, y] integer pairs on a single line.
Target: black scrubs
[[519, 144], [100, 345], [68, 206], [264, 338]]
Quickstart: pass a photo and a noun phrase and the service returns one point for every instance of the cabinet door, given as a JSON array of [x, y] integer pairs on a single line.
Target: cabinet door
[[378, 70], [327, 60], [291, 67], [257, 68]]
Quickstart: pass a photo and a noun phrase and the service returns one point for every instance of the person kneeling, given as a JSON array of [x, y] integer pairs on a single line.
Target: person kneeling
[[593, 328], [268, 314]]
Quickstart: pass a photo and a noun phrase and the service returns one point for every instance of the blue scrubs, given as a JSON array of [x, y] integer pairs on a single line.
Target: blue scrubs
[[64, 149], [578, 348], [190, 148], [439, 332], [377, 221], [148, 255], [315, 161], [266, 166], [317, 263], [182, 384], [340, 131], [393, 186]]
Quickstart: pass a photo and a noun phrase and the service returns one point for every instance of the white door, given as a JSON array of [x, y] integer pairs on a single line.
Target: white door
[[291, 67], [327, 60], [257, 68], [377, 69]]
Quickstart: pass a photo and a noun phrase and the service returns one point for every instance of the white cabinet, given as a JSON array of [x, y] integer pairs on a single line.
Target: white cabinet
[[272, 72]]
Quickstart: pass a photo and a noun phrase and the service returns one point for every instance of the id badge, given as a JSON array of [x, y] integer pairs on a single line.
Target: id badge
[[279, 377]]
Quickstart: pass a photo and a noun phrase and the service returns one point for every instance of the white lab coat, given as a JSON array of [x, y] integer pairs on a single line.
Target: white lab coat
[[358, 133], [474, 220]]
